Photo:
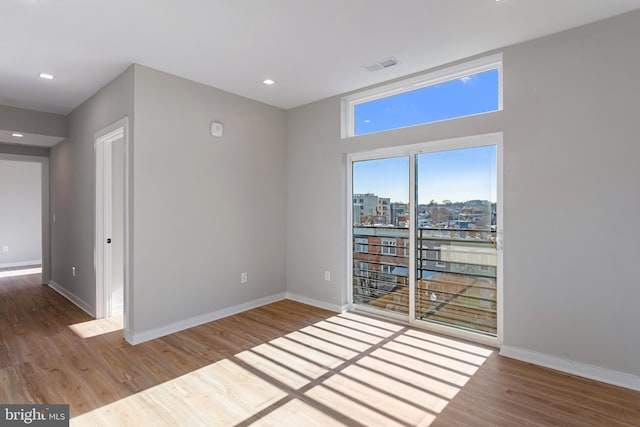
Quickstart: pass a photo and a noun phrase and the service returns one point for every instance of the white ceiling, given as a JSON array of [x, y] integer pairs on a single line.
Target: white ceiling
[[312, 48]]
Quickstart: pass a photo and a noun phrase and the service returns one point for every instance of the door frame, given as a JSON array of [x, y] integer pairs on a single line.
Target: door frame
[[103, 257], [412, 151]]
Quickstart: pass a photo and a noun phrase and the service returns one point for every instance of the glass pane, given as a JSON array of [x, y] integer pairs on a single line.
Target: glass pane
[[381, 234], [456, 258], [473, 94]]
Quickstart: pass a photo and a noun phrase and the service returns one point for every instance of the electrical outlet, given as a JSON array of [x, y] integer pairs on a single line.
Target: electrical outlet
[[73, 271], [244, 277], [5, 249], [327, 276]]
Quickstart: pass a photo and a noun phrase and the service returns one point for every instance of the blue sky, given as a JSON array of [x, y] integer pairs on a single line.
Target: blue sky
[[384, 177], [474, 94], [456, 175]]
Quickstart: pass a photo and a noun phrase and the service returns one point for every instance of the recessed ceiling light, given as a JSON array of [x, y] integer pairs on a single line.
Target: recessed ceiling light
[[269, 82], [17, 135], [47, 76]]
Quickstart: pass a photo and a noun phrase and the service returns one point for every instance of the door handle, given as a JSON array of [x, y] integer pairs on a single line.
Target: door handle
[[108, 240]]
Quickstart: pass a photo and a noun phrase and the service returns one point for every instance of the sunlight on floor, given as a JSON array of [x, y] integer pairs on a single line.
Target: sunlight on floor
[[93, 328], [222, 393], [293, 371], [296, 413], [345, 370], [21, 272]]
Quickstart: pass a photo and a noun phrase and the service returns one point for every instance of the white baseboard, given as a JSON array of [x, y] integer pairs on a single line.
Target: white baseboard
[[21, 263], [140, 337], [317, 303], [83, 305], [585, 370]]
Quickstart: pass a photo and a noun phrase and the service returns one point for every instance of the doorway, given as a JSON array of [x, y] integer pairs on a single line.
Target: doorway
[[24, 214], [112, 225], [426, 231]]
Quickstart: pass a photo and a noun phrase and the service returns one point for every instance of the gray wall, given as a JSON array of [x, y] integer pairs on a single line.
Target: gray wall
[[571, 191], [571, 177], [73, 187], [29, 121], [206, 209], [20, 212]]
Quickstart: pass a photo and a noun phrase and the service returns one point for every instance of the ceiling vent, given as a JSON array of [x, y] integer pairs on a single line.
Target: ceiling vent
[[383, 63]]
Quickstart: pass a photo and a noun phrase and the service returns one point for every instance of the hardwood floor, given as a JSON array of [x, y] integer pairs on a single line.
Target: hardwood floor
[[285, 364]]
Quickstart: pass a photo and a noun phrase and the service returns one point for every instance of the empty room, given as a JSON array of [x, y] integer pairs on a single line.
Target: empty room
[[318, 213]]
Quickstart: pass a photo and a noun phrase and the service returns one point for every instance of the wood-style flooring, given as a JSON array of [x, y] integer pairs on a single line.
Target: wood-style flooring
[[284, 364]]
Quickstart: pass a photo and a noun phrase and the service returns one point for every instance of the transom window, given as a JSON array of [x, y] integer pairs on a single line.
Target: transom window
[[460, 91]]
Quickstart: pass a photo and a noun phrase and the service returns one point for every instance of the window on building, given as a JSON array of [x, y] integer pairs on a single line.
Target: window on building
[[460, 91], [436, 257], [404, 245], [362, 245], [388, 246]]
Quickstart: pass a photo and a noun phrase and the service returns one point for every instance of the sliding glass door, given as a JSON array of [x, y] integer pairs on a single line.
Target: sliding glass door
[[425, 230], [456, 225]]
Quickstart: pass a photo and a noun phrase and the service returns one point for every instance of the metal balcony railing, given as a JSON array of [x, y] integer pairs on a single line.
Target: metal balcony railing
[[455, 274]]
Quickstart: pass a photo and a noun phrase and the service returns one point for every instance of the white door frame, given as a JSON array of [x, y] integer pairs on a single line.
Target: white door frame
[[103, 143], [411, 151]]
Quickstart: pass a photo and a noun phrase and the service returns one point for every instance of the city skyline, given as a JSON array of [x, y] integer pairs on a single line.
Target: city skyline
[[454, 175]]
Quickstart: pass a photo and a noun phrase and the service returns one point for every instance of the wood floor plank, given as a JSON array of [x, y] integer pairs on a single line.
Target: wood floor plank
[[284, 364]]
